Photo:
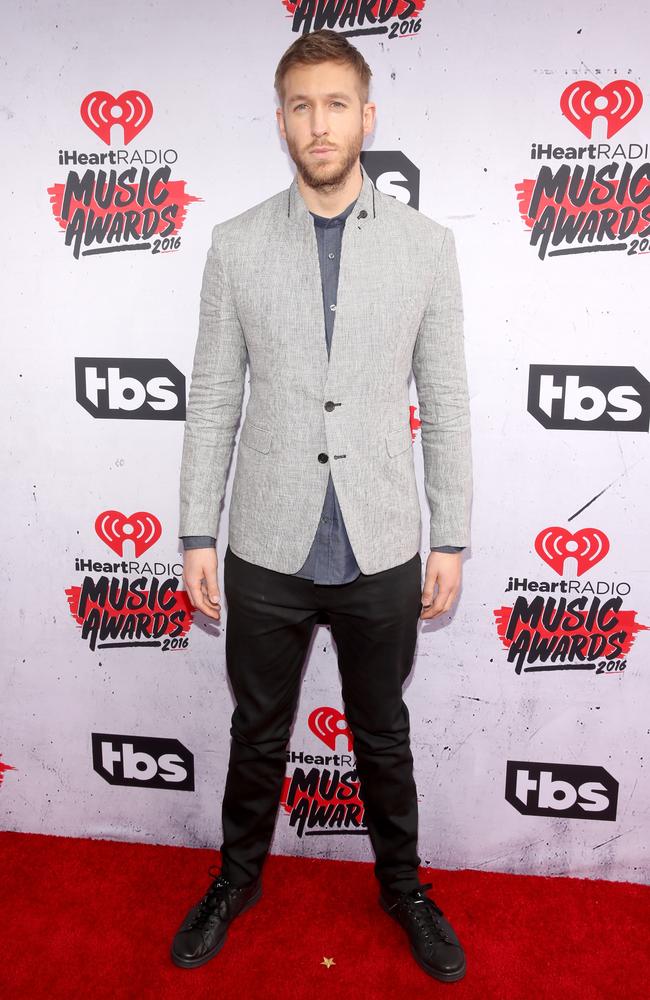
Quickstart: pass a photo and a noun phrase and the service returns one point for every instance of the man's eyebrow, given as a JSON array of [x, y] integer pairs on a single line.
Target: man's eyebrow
[[307, 97]]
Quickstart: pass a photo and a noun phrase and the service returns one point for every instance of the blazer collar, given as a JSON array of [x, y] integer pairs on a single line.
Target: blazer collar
[[366, 202]]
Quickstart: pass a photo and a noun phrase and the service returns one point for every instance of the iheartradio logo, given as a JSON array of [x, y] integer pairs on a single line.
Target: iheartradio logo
[[115, 528], [327, 723], [132, 110], [617, 102], [587, 546]]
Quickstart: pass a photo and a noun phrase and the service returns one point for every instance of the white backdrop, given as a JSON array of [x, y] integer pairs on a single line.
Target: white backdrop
[[463, 96]]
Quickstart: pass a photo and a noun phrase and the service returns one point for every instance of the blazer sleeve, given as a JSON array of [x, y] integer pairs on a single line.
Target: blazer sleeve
[[214, 402], [440, 372]]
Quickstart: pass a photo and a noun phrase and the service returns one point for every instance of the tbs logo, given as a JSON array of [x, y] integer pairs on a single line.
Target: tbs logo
[[143, 761], [130, 388], [573, 791], [393, 173], [589, 398]]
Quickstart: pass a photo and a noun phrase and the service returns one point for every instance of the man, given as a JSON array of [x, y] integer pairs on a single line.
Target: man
[[325, 519]]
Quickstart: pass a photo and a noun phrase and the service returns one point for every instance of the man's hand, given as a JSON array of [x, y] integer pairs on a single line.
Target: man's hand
[[443, 568], [200, 577]]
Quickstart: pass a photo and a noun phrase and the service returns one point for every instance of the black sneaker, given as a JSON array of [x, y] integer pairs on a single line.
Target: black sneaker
[[203, 932], [434, 944]]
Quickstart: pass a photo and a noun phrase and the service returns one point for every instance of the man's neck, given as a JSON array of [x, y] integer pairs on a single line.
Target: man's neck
[[331, 203]]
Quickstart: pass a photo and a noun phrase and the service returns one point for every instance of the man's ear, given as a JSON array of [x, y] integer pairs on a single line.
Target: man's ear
[[279, 114], [369, 117]]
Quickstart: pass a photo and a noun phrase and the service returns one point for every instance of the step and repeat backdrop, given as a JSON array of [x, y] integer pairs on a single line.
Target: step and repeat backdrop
[[127, 134]]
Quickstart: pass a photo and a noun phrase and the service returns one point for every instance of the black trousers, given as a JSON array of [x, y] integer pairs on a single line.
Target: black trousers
[[373, 621]]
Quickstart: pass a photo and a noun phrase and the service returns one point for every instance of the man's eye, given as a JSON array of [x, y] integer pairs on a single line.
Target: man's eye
[[338, 104]]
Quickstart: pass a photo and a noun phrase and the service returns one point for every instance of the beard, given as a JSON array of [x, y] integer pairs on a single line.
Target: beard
[[326, 175]]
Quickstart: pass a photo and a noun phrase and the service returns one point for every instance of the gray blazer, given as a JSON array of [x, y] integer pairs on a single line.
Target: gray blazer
[[399, 309]]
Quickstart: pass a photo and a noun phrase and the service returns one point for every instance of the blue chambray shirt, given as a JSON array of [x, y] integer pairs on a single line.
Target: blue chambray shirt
[[330, 559]]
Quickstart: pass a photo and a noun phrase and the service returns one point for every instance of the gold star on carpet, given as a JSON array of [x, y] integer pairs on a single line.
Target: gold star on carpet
[[329, 962]]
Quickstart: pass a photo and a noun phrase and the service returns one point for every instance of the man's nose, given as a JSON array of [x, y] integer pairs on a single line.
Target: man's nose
[[318, 123]]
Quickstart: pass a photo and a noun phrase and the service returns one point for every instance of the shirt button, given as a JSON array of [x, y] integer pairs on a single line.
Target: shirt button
[[331, 256], [333, 307], [325, 518]]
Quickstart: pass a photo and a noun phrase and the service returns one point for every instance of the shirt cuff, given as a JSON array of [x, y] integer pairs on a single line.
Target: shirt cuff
[[198, 541]]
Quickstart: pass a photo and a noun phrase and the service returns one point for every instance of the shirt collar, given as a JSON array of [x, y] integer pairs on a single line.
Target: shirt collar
[[366, 207], [335, 220]]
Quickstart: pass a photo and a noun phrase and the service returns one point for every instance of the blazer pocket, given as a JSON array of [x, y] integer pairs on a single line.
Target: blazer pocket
[[398, 441], [256, 437]]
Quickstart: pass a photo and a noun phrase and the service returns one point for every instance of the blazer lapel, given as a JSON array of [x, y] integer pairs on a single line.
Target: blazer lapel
[[357, 231]]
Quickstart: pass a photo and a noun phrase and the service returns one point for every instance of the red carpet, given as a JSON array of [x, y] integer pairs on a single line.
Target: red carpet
[[94, 919]]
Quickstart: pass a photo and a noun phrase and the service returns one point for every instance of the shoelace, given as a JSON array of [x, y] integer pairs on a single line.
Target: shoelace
[[425, 912], [218, 892]]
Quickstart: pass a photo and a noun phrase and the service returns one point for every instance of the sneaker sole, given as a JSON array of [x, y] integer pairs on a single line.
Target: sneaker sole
[[443, 977], [193, 963]]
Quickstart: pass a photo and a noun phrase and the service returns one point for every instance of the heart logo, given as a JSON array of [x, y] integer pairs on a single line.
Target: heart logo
[[618, 102], [587, 547], [327, 723], [115, 528], [132, 110]]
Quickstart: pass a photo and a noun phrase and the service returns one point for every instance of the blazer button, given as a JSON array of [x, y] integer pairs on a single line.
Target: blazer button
[[329, 405], [362, 214], [322, 457]]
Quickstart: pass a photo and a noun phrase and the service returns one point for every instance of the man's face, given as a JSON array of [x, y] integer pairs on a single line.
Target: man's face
[[324, 122]]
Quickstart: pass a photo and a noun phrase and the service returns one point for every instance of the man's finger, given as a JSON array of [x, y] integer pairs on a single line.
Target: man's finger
[[199, 599], [440, 602], [212, 588], [444, 600]]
